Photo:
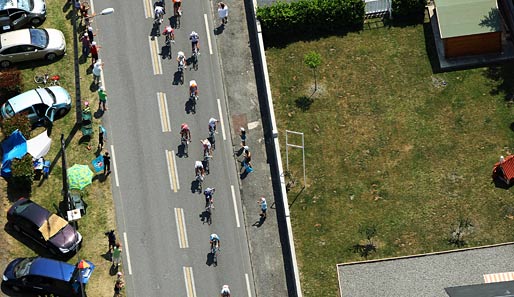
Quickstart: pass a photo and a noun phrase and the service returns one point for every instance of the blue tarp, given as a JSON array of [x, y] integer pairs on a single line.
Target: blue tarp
[[15, 146]]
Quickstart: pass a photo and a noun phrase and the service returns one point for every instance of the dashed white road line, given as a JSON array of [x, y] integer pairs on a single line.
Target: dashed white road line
[[248, 289], [190, 281], [235, 205], [114, 167], [129, 266], [163, 112], [208, 33], [221, 120]]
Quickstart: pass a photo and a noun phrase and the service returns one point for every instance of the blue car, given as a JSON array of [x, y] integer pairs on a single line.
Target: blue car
[[46, 276]]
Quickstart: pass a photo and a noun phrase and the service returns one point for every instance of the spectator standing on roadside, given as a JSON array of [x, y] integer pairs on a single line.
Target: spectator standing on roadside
[[86, 45], [112, 239], [118, 285], [101, 137], [102, 97], [94, 52], [223, 13], [97, 71], [242, 134], [90, 33], [116, 255], [264, 207], [107, 163]]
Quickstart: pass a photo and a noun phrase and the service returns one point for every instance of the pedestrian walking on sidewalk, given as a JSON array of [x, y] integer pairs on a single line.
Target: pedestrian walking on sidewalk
[[86, 45], [116, 255], [102, 98], [247, 159], [264, 207], [107, 163], [223, 13], [242, 134]]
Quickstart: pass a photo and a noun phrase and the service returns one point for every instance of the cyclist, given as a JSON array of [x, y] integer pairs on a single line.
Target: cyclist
[[159, 13], [208, 196], [199, 170], [169, 33], [193, 89], [225, 291], [215, 241], [185, 133], [206, 144], [194, 41], [212, 125], [181, 58], [176, 7]]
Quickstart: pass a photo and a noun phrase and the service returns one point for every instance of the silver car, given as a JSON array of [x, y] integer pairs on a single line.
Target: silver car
[[34, 11], [31, 44], [42, 105]]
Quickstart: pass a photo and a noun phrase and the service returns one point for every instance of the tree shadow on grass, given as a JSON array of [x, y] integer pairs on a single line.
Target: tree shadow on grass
[[504, 76], [364, 250], [304, 102]]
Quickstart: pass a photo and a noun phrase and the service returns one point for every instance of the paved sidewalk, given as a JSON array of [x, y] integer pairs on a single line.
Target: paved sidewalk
[[240, 85]]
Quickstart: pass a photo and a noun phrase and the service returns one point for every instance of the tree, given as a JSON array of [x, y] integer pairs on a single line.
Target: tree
[[313, 60]]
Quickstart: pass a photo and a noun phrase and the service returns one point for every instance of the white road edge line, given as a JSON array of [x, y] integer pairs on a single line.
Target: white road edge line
[[168, 161], [113, 156], [129, 266], [208, 33], [248, 285], [235, 205], [175, 166], [221, 120]]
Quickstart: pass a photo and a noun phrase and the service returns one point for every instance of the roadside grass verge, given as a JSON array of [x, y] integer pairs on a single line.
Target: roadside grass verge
[[390, 144], [100, 215]]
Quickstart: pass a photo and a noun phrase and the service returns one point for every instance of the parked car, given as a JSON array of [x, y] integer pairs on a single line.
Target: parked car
[[32, 12], [41, 105], [46, 276], [31, 44], [45, 228]]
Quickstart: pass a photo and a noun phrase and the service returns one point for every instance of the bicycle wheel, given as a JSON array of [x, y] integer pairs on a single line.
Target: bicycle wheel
[[54, 82], [39, 79]]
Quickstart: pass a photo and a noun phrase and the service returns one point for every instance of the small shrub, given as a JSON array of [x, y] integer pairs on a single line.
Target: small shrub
[[408, 9], [10, 84], [20, 122], [22, 174], [364, 250]]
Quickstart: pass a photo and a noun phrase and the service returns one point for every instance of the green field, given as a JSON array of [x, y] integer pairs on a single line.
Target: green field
[[100, 216], [390, 144]]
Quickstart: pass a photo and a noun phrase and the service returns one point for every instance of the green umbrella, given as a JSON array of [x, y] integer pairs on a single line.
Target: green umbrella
[[79, 176]]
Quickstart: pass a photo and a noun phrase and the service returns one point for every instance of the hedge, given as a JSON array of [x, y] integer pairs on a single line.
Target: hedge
[[408, 9], [283, 19]]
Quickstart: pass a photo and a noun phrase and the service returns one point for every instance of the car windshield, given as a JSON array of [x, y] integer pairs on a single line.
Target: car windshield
[[38, 37], [27, 5], [21, 269], [23, 4], [9, 110], [51, 95]]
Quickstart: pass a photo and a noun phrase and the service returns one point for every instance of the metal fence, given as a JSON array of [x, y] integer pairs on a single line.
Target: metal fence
[[377, 7]]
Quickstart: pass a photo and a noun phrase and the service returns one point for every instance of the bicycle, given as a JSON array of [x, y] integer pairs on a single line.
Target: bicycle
[[194, 59], [199, 180], [47, 79], [214, 251], [178, 15], [181, 65], [205, 162], [208, 209], [212, 139], [185, 143]]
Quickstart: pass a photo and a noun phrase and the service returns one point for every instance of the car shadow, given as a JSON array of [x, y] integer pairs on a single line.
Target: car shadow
[[10, 292], [34, 64]]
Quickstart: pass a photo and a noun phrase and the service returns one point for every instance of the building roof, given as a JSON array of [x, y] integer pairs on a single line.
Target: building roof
[[467, 17], [507, 167]]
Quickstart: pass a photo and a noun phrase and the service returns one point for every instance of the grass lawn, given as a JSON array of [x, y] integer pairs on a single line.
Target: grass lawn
[[390, 144], [100, 213]]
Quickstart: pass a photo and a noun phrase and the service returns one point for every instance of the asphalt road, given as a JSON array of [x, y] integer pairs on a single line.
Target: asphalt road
[[165, 243]]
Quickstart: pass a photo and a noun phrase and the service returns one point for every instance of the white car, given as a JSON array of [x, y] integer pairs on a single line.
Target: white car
[[31, 44], [32, 12], [42, 105]]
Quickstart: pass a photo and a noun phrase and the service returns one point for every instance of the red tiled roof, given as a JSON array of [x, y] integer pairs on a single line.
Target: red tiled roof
[[507, 167]]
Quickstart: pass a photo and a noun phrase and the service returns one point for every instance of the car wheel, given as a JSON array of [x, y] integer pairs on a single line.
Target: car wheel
[[5, 64], [62, 112], [16, 289], [51, 56], [35, 21]]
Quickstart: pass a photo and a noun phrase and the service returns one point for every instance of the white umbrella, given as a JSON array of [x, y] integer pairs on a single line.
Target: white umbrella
[[39, 145]]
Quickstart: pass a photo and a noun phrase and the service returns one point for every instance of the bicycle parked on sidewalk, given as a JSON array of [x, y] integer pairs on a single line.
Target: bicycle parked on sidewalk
[[47, 79]]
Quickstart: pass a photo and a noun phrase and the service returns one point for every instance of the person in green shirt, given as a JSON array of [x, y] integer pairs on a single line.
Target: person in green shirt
[[116, 255], [102, 95]]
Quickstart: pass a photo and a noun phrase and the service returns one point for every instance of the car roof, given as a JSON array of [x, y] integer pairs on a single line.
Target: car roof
[[52, 268], [15, 37], [31, 211], [35, 96]]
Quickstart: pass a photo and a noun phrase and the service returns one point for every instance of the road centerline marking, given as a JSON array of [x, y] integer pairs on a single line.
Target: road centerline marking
[[208, 33], [235, 205], [163, 112], [172, 170], [221, 120], [148, 8], [175, 169], [190, 281], [181, 228], [154, 54], [248, 289], [129, 266]]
